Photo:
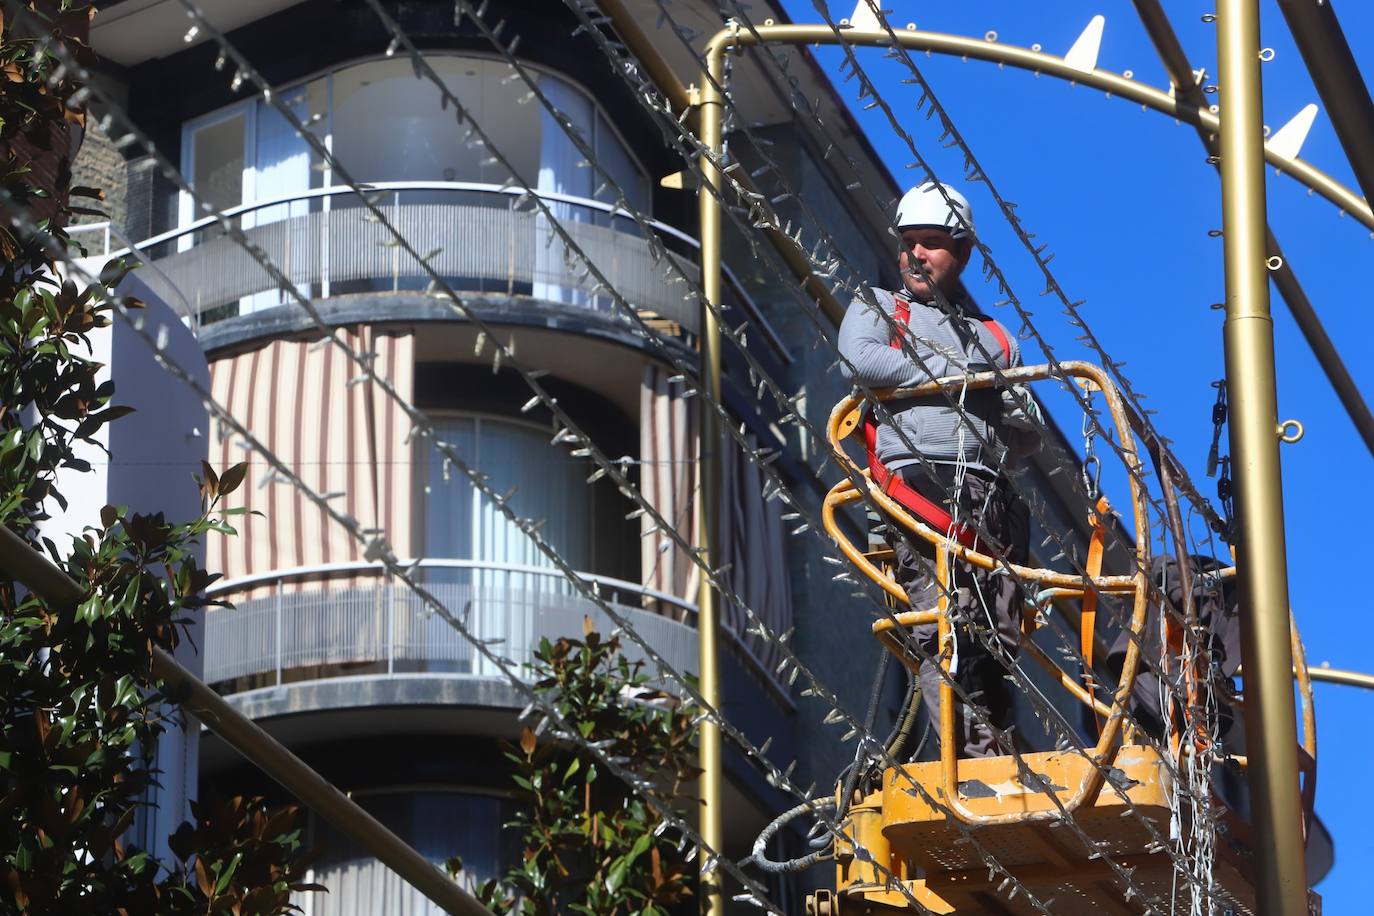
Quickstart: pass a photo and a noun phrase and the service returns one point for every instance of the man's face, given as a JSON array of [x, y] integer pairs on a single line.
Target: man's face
[[939, 254]]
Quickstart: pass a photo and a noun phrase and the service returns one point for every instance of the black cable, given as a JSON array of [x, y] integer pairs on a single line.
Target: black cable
[[901, 731], [857, 768], [759, 856], [849, 775]]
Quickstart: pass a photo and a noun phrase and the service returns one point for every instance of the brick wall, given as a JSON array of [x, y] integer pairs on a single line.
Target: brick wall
[[99, 165]]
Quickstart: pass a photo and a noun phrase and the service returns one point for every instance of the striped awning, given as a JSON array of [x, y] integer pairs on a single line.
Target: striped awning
[[332, 427]]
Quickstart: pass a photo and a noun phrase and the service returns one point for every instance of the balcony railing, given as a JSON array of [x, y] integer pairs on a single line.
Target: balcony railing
[[480, 238], [344, 619]]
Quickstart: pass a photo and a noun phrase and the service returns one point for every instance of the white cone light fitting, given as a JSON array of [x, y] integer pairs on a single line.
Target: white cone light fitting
[[1083, 55]]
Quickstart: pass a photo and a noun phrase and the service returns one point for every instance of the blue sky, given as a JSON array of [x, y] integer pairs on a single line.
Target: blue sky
[[1125, 200]]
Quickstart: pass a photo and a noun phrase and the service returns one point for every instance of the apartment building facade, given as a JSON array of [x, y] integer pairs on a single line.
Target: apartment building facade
[[338, 660]]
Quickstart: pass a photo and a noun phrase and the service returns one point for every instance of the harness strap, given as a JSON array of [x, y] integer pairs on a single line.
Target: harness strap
[[1001, 336], [907, 496], [903, 318], [893, 484]]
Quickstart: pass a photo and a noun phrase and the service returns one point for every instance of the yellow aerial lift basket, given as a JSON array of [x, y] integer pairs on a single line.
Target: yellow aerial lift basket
[[921, 825]]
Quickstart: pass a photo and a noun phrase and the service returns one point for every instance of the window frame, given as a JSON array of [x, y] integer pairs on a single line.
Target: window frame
[[186, 209], [247, 108]]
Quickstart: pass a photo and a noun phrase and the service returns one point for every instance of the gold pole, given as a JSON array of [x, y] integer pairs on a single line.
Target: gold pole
[[1271, 730], [1331, 676], [708, 494]]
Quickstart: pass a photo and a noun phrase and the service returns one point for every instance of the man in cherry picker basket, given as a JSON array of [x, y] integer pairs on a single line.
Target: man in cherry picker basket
[[947, 465]]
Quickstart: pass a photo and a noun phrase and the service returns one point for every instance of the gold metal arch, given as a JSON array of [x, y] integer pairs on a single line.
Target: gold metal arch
[[1025, 59], [1341, 676]]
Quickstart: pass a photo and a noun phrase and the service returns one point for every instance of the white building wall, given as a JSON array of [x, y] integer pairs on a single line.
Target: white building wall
[[153, 453]]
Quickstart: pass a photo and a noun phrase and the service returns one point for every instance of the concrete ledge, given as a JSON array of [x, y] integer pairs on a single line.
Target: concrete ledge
[[410, 690], [383, 308]]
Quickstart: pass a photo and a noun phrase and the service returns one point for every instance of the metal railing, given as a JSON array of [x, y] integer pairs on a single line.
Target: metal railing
[[341, 619], [479, 237], [345, 619]]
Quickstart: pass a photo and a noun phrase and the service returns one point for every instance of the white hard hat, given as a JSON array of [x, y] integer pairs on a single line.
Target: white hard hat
[[925, 205]]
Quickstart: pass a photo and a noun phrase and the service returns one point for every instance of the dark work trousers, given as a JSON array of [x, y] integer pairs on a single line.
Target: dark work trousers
[[983, 600]]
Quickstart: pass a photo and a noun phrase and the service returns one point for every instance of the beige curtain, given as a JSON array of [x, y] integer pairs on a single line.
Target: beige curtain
[[299, 399], [752, 534], [753, 542], [668, 479]]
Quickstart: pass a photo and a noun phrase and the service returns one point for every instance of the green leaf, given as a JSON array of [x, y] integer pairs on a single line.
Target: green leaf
[[616, 875], [113, 272], [114, 413], [222, 884]]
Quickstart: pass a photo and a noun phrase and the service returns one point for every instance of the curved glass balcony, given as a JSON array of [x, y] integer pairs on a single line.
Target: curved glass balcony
[[484, 239], [341, 620]]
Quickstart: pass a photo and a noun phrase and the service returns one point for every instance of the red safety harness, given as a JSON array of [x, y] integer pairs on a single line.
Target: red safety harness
[[893, 484]]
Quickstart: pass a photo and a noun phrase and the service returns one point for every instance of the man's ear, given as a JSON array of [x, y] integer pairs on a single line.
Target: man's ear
[[965, 251]]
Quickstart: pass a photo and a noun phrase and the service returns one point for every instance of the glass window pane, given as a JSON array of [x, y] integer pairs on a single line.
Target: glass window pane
[[437, 824], [550, 486], [616, 160], [390, 125], [560, 168], [217, 157], [447, 500], [506, 116], [284, 163]]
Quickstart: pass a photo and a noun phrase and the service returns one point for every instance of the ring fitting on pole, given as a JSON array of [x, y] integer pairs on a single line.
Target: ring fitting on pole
[[1290, 431]]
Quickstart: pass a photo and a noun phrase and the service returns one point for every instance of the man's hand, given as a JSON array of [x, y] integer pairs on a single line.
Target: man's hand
[[1022, 419]]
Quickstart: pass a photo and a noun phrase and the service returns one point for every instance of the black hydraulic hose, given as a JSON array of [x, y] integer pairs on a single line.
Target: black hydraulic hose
[[925, 736], [861, 752], [901, 733], [759, 855]]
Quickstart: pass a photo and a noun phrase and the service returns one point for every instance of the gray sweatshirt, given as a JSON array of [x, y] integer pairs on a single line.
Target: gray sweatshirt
[[946, 348]]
